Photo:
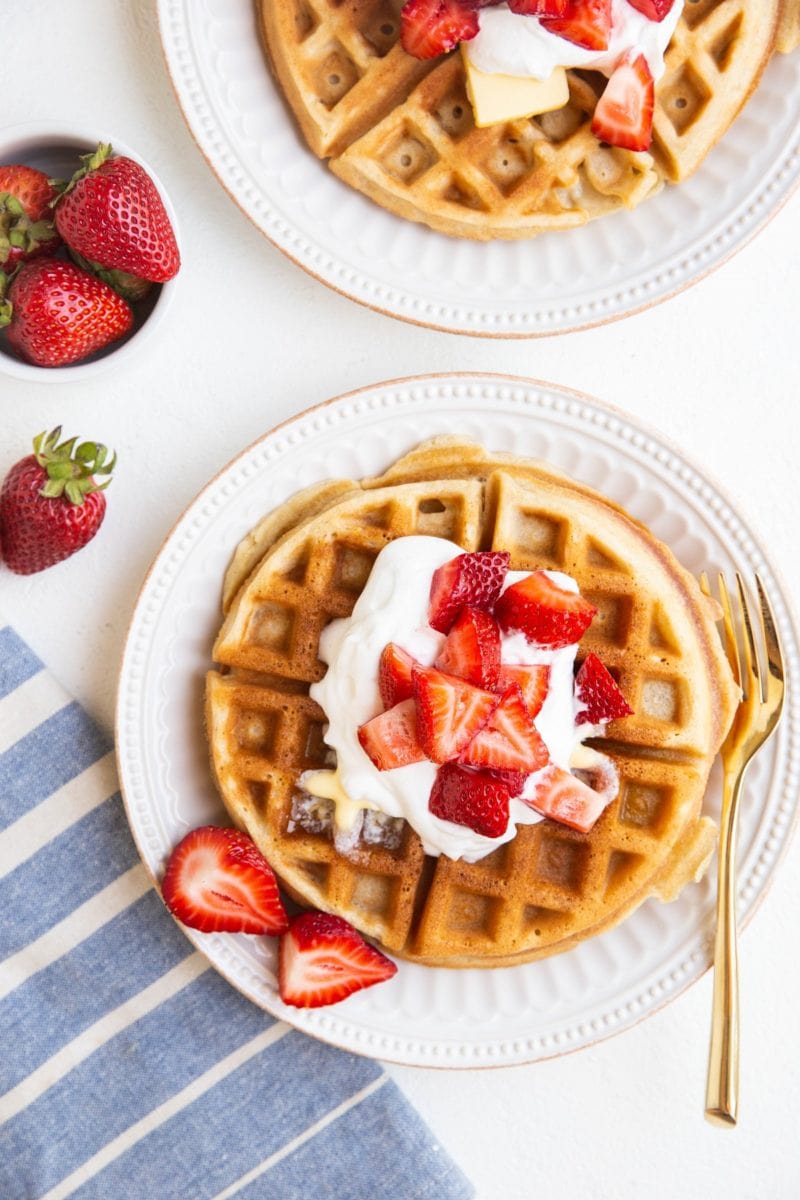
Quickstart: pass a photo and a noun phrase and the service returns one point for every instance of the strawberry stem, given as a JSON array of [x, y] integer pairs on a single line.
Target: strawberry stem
[[71, 467], [90, 163]]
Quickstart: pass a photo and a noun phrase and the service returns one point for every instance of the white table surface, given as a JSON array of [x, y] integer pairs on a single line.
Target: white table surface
[[250, 341]]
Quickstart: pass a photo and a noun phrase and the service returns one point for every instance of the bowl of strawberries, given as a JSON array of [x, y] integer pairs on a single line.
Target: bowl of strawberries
[[88, 252]]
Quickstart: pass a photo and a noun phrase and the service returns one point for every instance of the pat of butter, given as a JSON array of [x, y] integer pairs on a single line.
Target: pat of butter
[[498, 98], [327, 785]]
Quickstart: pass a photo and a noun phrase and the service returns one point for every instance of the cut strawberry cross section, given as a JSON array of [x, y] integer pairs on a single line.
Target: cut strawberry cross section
[[471, 798], [533, 681], [432, 27], [547, 614], [540, 8], [563, 798], [470, 579], [587, 23], [624, 113], [472, 649], [449, 712], [598, 695], [656, 10], [509, 740], [390, 739], [394, 675], [322, 960]]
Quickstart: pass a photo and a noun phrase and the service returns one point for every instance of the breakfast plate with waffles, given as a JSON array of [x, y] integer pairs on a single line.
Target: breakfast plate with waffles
[[495, 169], [455, 681]]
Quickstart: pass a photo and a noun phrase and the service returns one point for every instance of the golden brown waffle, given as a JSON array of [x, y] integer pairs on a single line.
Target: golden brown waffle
[[549, 887], [404, 135], [788, 38]]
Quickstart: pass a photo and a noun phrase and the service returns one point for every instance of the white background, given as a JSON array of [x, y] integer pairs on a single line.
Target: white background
[[251, 340]]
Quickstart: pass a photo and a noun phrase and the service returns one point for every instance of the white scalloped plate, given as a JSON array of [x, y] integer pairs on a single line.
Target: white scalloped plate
[[429, 1016], [552, 284]]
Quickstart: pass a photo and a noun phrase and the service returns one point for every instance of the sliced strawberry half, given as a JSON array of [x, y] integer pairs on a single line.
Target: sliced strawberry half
[[562, 797], [656, 10], [323, 959], [471, 798], [217, 881], [394, 675], [547, 614], [509, 740], [449, 712], [540, 8], [533, 681], [624, 113], [470, 579], [514, 780], [472, 648], [432, 27], [587, 23], [391, 739], [598, 695]]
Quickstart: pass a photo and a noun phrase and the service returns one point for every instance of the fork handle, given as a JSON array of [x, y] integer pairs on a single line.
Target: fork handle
[[722, 1084]]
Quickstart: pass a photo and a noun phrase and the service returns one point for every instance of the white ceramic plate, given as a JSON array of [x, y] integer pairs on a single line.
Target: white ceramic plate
[[426, 1015], [554, 283]]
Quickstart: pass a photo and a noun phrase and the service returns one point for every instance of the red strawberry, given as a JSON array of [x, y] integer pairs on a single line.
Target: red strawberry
[[514, 780], [540, 8], [394, 675], [547, 614], [587, 23], [432, 27], [533, 681], [562, 797], [112, 214], [473, 579], [58, 315], [596, 690], [50, 504], [656, 10], [509, 740], [322, 960], [624, 113], [391, 739], [218, 881], [472, 649], [449, 712], [26, 220], [471, 798]]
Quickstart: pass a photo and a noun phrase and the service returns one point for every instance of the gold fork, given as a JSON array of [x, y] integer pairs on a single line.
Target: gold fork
[[762, 689]]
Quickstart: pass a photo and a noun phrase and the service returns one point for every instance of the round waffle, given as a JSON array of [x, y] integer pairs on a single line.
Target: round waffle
[[401, 131], [549, 887]]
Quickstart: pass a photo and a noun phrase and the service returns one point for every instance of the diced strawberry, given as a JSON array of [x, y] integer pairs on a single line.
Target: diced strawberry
[[472, 649], [597, 691], [394, 675], [323, 959], [533, 680], [217, 881], [509, 740], [514, 780], [547, 614], [540, 8], [390, 739], [449, 712], [562, 797], [624, 113], [587, 23], [432, 27], [656, 10], [471, 798], [469, 579]]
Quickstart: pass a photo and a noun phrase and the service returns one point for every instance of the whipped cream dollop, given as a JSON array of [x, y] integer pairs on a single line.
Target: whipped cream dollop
[[518, 44], [393, 607]]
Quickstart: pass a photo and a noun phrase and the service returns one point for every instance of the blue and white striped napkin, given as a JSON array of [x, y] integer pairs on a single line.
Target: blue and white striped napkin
[[129, 1069]]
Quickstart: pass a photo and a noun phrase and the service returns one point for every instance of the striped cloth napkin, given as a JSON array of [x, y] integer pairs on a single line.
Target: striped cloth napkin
[[128, 1068]]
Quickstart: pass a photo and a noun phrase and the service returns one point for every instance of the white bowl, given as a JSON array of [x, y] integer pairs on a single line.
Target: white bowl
[[56, 150]]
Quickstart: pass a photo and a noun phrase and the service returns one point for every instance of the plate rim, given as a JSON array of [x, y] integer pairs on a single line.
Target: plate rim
[[316, 1026]]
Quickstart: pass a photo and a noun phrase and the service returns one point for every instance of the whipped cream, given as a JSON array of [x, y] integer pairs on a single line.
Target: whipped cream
[[516, 44], [393, 607]]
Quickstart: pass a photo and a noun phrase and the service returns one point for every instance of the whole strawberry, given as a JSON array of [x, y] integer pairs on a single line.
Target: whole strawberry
[[26, 218], [57, 314], [50, 502], [111, 213]]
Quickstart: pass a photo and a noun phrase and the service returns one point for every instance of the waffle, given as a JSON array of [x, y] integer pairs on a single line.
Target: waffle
[[401, 131], [549, 887], [788, 38]]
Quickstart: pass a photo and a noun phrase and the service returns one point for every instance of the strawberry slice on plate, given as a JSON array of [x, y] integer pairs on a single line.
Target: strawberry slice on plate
[[472, 798], [547, 614], [472, 648], [587, 23], [597, 693], [218, 881], [563, 798], [449, 712], [323, 959], [394, 675], [533, 680], [469, 579], [432, 27], [624, 113], [509, 740], [390, 739], [656, 10]]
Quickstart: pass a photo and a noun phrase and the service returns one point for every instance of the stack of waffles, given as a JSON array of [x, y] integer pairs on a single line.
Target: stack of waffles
[[549, 887], [402, 132]]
